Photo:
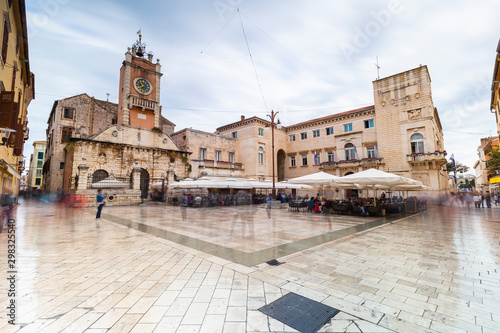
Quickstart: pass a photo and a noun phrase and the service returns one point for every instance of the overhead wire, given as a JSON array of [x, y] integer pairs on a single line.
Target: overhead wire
[[251, 59], [201, 52]]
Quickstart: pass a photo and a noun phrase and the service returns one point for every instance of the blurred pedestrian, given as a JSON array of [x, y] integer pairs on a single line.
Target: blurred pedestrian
[[7, 206], [100, 203], [488, 199]]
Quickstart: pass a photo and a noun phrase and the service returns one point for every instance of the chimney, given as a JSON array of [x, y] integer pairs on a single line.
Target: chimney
[[242, 118]]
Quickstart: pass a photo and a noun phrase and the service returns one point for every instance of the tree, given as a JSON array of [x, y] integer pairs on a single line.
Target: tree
[[493, 163], [459, 167]]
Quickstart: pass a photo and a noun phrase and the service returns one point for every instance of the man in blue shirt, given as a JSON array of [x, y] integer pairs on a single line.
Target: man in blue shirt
[[100, 203]]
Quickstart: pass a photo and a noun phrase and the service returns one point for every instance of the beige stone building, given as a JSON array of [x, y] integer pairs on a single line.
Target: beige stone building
[[495, 89], [36, 164], [400, 133], [17, 89], [211, 154], [129, 149]]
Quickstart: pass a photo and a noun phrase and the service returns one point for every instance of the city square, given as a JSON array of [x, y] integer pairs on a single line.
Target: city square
[[249, 166], [436, 271]]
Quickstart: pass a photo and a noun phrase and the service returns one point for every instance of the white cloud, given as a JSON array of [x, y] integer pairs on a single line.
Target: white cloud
[[296, 47]]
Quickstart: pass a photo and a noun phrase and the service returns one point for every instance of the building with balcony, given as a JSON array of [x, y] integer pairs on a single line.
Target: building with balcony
[[486, 180], [400, 133], [16, 92], [34, 180]]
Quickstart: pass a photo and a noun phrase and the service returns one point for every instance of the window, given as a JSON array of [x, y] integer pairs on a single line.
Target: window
[[292, 161], [261, 155], [329, 131], [417, 143], [113, 121], [66, 134], [371, 152], [235, 135], [350, 152], [304, 159], [68, 113], [39, 164], [99, 175], [315, 133], [61, 165], [203, 154], [218, 155], [261, 132], [38, 173], [369, 123], [291, 137], [231, 157], [303, 136], [331, 156], [42, 147], [40, 155], [38, 181], [348, 127]]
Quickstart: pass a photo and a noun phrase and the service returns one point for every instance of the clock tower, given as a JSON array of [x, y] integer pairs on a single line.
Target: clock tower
[[139, 95]]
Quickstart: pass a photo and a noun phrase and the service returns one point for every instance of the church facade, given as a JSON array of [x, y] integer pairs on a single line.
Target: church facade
[[131, 150]]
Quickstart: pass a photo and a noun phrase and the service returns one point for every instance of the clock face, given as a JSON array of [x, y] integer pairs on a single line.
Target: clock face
[[143, 86]]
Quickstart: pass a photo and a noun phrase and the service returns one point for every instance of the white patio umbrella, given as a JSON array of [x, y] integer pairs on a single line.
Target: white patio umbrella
[[110, 182], [373, 177], [318, 178]]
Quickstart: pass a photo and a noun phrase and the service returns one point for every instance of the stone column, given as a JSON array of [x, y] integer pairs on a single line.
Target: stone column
[[82, 177], [136, 179]]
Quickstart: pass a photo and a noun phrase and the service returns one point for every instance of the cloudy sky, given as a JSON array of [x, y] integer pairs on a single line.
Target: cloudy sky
[[308, 58]]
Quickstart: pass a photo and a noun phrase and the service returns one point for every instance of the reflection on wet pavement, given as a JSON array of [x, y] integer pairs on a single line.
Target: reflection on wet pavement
[[248, 234], [438, 271]]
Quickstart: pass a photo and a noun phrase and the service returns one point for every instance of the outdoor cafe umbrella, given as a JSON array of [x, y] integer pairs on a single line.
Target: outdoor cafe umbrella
[[110, 182], [317, 179], [373, 177]]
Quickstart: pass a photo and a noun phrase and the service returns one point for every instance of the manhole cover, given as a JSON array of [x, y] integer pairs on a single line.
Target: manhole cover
[[300, 313]]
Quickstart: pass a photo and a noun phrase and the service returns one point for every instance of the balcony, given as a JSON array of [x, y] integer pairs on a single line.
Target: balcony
[[219, 164], [142, 102], [427, 160], [364, 163]]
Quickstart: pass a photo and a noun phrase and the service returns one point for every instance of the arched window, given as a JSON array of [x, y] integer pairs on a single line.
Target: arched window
[[417, 143], [261, 155], [99, 175], [350, 152]]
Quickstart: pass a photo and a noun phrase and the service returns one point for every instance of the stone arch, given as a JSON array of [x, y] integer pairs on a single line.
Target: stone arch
[[281, 161], [99, 175]]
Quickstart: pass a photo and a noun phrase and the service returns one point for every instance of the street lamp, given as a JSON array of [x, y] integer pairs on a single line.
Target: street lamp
[[272, 116]]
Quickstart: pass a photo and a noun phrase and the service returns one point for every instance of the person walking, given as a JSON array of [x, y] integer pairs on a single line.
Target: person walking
[[477, 201], [269, 205], [100, 203], [482, 200], [496, 199], [488, 200]]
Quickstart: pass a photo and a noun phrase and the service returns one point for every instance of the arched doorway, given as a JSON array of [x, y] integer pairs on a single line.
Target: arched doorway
[[281, 165], [99, 175], [144, 183]]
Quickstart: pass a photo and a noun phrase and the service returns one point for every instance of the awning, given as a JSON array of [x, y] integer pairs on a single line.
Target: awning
[[9, 168], [495, 180]]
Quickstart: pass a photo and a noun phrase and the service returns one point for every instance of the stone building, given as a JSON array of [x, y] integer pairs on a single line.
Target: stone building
[[132, 151], [486, 181], [36, 164], [400, 133], [79, 116], [16, 92], [212, 154]]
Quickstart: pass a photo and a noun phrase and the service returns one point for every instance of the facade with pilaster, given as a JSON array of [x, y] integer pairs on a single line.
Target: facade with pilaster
[[401, 133]]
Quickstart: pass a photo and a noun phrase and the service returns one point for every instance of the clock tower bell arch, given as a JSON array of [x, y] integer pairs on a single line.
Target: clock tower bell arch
[[139, 95]]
